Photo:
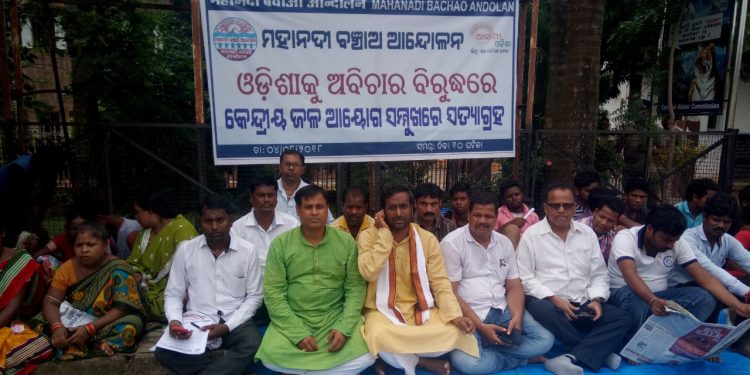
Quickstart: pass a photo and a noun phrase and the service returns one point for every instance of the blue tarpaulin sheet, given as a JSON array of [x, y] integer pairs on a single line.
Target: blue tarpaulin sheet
[[731, 363]]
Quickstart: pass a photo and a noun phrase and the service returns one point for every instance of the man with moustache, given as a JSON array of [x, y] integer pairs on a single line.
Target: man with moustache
[[563, 274], [714, 247], [314, 294], [481, 265], [291, 168], [221, 274], [355, 218], [411, 313], [427, 202], [263, 223]]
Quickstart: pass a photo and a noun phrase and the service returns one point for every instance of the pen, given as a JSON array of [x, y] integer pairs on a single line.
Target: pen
[[196, 326]]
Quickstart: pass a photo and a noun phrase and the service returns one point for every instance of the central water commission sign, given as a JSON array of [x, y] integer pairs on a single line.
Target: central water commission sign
[[356, 80]]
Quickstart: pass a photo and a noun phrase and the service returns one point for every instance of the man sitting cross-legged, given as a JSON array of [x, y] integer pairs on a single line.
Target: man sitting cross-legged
[[563, 275], [642, 260], [222, 276], [314, 295], [411, 313], [714, 247], [481, 265]]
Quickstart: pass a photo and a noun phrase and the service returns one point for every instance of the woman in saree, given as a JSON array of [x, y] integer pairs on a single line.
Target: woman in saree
[[104, 287], [155, 244], [21, 293], [33, 242]]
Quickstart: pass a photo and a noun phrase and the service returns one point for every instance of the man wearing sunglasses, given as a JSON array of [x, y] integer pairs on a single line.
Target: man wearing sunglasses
[[566, 285]]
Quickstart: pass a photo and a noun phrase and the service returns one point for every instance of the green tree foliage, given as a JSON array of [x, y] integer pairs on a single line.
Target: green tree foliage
[[134, 64], [630, 43], [129, 65]]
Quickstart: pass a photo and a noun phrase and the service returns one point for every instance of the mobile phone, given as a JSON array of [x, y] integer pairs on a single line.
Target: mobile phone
[[514, 338], [179, 329]]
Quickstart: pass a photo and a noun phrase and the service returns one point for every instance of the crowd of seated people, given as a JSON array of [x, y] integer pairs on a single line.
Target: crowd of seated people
[[488, 288]]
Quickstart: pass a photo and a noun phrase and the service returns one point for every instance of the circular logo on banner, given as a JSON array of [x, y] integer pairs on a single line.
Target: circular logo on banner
[[235, 39], [668, 261], [483, 32]]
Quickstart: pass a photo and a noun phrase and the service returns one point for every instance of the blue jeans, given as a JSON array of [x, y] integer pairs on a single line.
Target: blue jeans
[[493, 358], [697, 300]]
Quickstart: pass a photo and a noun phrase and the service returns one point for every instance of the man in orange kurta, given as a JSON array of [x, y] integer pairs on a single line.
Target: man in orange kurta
[[411, 313]]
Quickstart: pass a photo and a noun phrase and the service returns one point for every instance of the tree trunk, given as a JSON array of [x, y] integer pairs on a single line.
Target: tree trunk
[[573, 86]]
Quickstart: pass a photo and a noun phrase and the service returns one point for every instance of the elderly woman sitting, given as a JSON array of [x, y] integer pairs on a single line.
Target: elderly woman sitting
[[105, 288]]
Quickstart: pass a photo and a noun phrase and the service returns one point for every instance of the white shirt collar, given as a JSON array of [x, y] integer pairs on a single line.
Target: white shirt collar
[[546, 228], [252, 222], [232, 243]]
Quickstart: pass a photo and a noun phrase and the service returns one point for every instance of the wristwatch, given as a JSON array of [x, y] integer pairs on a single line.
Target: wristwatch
[[599, 299]]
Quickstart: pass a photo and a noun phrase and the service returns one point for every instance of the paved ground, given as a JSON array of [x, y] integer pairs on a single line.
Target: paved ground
[[140, 362]]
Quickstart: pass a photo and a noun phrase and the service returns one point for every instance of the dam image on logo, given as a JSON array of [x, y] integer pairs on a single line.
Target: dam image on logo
[[235, 39]]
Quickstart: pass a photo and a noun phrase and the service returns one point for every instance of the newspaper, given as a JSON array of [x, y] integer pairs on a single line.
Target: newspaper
[[679, 337]]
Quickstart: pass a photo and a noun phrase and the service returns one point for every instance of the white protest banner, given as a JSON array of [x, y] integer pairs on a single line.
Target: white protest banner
[[360, 80]]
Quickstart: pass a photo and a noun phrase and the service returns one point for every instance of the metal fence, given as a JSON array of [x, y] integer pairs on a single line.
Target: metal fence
[[113, 163], [668, 161]]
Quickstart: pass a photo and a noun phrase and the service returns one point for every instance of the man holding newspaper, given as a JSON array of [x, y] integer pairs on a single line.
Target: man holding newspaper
[[642, 260]]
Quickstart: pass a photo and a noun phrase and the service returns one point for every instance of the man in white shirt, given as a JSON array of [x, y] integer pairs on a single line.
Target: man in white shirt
[[221, 275], [713, 246], [482, 268], [263, 223], [291, 168], [564, 276], [641, 261]]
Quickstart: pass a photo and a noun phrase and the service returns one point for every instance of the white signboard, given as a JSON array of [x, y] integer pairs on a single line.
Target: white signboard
[[356, 80], [700, 29]]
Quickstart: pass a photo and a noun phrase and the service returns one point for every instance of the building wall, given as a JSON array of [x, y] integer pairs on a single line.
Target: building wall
[[742, 118], [741, 121]]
